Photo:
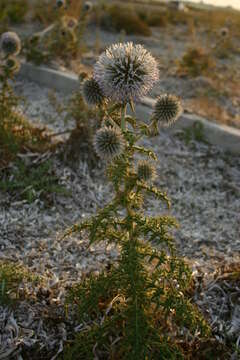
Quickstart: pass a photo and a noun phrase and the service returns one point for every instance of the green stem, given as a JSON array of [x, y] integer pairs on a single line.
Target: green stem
[[123, 114]]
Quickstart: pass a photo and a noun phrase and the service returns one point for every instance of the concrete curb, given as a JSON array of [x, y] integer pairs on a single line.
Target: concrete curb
[[226, 137]]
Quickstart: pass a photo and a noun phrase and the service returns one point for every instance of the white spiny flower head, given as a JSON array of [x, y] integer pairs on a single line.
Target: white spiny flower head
[[109, 143], [126, 72], [10, 43], [167, 110], [92, 93]]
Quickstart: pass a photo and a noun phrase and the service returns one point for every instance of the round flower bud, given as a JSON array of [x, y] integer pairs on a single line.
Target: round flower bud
[[224, 32], [167, 109], [12, 65], [60, 3], [92, 93], [126, 72], [109, 143], [145, 171], [87, 6], [10, 43]]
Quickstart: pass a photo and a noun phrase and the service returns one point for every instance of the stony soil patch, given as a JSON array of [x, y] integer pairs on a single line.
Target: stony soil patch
[[202, 182]]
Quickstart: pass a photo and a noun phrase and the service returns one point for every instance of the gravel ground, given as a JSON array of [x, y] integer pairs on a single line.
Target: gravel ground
[[202, 182]]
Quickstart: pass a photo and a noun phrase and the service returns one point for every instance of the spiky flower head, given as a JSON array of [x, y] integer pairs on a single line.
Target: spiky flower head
[[126, 72], [12, 65], [10, 43], [92, 93], [167, 109], [224, 32], [145, 171], [109, 143], [60, 3], [87, 6]]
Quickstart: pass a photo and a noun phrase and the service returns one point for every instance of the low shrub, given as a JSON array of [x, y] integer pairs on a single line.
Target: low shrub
[[14, 10], [195, 62], [117, 18], [158, 19]]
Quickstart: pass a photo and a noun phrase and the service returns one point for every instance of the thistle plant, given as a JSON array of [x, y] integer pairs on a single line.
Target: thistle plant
[[10, 46], [138, 307], [64, 37], [15, 130]]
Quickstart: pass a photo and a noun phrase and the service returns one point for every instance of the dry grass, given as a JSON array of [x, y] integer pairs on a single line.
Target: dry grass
[[118, 17], [196, 61], [209, 108], [47, 13]]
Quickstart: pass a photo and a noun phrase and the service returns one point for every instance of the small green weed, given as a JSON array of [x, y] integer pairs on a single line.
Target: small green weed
[[32, 181], [195, 132], [11, 276]]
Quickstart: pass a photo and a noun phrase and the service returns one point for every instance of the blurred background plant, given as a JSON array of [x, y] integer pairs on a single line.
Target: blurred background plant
[[16, 132], [63, 36], [195, 62]]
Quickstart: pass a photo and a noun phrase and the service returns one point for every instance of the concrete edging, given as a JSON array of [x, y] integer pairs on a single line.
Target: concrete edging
[[226, 137]]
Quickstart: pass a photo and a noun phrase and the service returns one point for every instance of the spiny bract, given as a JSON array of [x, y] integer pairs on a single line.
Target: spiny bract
[[126, 72], [167, 109], [10, 43], [145, 171], [92, 93], [109, 143]]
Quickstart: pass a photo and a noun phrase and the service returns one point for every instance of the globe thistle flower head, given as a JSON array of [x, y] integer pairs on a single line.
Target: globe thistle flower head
[[224, 32], [109, 143], [10, 43], [12, 65], [167, 110], [145, 171], [60, 3], [92, 93], [126, 72], [87, 6]]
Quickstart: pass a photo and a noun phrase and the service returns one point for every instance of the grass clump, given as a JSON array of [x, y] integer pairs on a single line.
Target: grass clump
[[30, 182], [194, 133], [117, 18], [14, 11], [195, 62], [11, 277], [139, 307]]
